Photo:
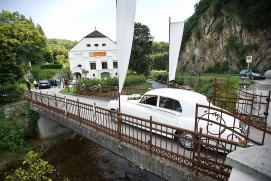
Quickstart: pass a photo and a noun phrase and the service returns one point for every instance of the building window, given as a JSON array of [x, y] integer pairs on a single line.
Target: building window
[[79, 65], [96, 45], [104, 65], [115, 65], [103, 44], [92, 66], [88, 45]]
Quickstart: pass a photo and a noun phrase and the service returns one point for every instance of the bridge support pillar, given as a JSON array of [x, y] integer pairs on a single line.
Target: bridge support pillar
[[48, 128]]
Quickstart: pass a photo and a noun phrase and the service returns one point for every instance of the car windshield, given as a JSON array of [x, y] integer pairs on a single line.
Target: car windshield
[[255, 71]]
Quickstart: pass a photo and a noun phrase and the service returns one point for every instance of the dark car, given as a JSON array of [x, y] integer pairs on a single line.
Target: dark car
[[53, 83], [194, 73], [44, 84], [252, 74]]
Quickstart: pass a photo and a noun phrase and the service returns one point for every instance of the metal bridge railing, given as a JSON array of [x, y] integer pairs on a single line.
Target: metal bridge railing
[[203, 153]]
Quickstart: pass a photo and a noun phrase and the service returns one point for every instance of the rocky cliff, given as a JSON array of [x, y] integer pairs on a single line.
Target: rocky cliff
[[222, 39]]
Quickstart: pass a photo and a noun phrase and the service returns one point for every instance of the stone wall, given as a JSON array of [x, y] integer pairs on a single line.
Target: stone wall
[[208, 45]]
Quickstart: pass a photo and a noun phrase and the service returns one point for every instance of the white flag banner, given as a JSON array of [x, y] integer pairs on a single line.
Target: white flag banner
[[175, 40], [125, 30]]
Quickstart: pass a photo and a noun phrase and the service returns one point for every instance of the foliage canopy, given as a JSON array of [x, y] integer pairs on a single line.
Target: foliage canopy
[[141, 49]]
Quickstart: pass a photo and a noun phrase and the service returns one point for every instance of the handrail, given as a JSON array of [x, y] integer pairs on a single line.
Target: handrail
[[148, 136]]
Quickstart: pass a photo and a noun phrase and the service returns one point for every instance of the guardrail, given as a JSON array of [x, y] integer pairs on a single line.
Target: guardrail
[[106, 92], [156, 138]]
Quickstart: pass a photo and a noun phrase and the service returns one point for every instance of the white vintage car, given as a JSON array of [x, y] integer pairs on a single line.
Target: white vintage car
[[175, 107]]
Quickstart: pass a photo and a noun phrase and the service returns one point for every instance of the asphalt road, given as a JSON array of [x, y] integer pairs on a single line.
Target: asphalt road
[[83, 99]]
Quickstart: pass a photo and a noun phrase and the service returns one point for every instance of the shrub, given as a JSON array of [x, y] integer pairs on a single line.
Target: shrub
[[51, 66], [10, 93], [15, 128], [34, 168]]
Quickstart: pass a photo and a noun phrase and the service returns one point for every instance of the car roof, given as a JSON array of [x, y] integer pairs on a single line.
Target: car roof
[[178, 94]]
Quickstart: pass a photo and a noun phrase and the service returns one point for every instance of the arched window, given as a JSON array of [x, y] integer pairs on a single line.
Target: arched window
[[88, 45], [96, 45]]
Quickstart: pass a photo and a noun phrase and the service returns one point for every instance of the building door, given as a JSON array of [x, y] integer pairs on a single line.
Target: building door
[[105, 75]]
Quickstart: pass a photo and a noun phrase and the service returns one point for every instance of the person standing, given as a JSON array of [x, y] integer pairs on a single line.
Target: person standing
[[35, 84], [28, 84]]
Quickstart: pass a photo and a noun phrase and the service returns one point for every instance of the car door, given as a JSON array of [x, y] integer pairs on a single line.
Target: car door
[[168, 111], [146, 106]]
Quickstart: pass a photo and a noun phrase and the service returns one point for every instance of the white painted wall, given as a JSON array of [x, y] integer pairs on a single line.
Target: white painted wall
[[80, 54]]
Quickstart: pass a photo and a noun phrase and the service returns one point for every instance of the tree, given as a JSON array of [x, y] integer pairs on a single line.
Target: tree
[[141, 49], [85, 72], [26, 39], [10, 70], [159, 55]]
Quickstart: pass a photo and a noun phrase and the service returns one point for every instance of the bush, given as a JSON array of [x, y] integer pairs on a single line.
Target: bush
[[34, 168], [51, 66], [130, 81], [10, 93], [15, 128], [161, 77]]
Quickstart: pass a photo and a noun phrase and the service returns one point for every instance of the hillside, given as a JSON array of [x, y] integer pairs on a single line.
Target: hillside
[[223, 36]]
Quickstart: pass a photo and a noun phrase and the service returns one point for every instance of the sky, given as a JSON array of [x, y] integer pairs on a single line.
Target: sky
[[74, 19]]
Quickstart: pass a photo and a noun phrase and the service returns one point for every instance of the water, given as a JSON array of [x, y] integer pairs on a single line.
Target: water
[[157, 85], [80, 159]]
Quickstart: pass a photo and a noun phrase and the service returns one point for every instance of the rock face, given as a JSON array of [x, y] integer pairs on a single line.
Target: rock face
[[222, 39]]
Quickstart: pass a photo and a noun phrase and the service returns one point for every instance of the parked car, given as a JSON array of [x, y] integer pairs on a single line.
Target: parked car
[[194, 73], [44, 84], [53, 83], [175, 107], [72, 82], [252, 74]]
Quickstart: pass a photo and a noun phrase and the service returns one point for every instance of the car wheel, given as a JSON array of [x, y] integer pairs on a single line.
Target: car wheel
[[187, 144], [114, 115]]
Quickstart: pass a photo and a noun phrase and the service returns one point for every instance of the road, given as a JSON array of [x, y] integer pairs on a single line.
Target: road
[[83, 99]]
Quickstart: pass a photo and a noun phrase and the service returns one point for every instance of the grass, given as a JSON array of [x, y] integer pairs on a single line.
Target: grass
[[22, 85]]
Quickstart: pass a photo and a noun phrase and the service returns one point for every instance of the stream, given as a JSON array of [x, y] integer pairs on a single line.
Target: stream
[[80, 159]]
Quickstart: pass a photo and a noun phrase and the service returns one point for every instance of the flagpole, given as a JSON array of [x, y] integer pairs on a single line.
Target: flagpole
[[118, 71], [168, 50]]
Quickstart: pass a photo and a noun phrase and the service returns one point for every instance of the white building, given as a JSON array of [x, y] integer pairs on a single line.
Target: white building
[[96, 54]]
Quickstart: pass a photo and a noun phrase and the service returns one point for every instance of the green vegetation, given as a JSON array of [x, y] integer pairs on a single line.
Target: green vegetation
[[10, 93], [60, 49], [46, 74], [141, 50], [193, 57], [130, 81], [200, 84], [51, 66], [159, 56], [218, 67], [233, 45], [15, 128], [34, 168], [252, 14]]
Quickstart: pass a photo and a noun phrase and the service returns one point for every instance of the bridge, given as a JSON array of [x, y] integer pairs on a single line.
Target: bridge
[[150, 145]]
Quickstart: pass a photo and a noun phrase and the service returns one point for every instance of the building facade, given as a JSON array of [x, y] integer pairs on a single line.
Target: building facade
[[95, 56]]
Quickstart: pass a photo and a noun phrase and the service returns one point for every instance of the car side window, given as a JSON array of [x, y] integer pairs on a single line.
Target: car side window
[[149, 99], [169, 103]]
